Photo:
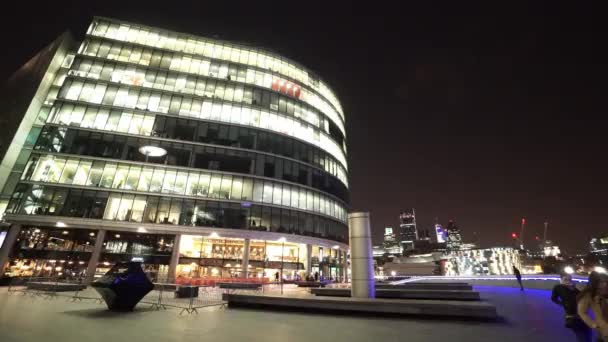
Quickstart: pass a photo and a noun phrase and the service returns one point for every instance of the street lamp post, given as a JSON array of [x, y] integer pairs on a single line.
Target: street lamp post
[[282, 253]]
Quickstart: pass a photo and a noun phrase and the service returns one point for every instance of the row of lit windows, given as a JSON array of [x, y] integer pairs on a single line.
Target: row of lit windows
[[117, 120], [168, 61], [119, 147], [212, 49], [204, 87], [206, 109], [35, 199], [84, 172]]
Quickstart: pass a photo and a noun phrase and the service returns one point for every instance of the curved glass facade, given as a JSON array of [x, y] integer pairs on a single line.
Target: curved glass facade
[[160, 137], [235, 124]]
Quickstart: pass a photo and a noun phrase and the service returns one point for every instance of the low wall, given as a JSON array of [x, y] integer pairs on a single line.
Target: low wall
[[543, 282]]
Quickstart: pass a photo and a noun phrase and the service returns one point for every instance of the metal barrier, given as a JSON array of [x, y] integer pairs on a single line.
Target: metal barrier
[[189, 298], [51, 287]]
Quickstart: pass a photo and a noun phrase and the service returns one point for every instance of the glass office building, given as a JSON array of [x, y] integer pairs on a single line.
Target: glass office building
[[199, 157]]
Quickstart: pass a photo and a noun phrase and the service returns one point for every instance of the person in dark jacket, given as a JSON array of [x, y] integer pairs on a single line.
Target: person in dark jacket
[[518, 276], [564, 294]]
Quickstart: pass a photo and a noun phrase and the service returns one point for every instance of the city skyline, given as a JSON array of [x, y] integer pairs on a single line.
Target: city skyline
[[483, 126]]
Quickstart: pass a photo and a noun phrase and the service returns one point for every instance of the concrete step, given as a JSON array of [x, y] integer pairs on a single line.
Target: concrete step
[[417, 307], [428, 286], [404, 293]]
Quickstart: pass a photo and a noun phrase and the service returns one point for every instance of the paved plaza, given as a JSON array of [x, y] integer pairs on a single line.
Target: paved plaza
[[527, 316]]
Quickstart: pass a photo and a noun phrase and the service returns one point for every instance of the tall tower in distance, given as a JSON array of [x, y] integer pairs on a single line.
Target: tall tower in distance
[[407, 229], [454, 238]]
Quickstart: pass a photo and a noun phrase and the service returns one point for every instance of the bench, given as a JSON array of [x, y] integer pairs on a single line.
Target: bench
[[404, 293], [311, 283], [240, 286], [406, 307], [428, 286]]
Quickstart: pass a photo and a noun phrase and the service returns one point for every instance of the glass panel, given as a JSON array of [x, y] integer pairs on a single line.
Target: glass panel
[[139, 205], [180, 182], [112, 207], [157, 180], [169, 181], [133, 178], [214, 187], [69, 171], [203, 185], [258, 191], [108, 175], [120, 177], [82, 173], [267, 192], [192, 185], [124, 211], [145, 179], [237, 187], [247, 189], [95, 174], [276, 197]]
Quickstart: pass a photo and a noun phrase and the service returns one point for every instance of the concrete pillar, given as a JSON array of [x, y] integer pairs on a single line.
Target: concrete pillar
[[309, 259], [363, 284], [245, 261], [7, 246], [94, 260], [174, 258]]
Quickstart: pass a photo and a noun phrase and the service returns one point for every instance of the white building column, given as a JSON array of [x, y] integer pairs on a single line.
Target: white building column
[[245, 261], [363, 284], [7, 245], [309, 259], [94, 260], [174, 258]]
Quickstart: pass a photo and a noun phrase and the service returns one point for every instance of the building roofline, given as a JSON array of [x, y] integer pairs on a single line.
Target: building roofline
[[224, 41]]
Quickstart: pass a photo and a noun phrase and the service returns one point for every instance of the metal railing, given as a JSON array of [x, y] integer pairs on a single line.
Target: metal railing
[[187, 296], [52, 287]]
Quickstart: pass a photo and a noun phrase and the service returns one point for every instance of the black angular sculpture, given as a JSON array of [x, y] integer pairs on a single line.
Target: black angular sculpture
[[123, 286]]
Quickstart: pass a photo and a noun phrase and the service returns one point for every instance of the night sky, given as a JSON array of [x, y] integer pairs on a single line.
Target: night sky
[[481, 115]]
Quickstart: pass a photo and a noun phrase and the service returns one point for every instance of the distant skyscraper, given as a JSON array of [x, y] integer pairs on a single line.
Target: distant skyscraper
[[440, 233], [390, 244], [454, 239], [599, 248], [407, 229]]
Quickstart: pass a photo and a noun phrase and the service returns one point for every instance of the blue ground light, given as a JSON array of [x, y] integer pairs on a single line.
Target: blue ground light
[[530, 313]]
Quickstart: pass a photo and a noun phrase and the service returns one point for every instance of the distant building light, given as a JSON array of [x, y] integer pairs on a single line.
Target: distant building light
[[568, 270], [60, 224]]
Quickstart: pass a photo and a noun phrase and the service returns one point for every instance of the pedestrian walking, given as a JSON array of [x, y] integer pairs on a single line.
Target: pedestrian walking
[[518, 276]]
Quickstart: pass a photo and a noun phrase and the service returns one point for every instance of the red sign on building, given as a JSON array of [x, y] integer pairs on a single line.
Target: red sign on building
[[286, 87]]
